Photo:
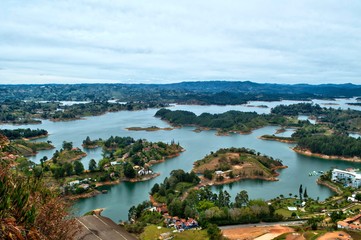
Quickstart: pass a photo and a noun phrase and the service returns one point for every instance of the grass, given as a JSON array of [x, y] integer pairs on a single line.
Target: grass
[[284, 212], [152, 232]]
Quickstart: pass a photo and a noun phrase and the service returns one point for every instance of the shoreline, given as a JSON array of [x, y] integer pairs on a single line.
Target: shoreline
[[277, 140], [96, 191], [323, 156], [206, 182], [149, 129], [90, 147], [332, 188], [36, 137]]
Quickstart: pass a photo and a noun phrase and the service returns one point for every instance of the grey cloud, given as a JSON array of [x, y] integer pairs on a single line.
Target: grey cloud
[[170, 41]]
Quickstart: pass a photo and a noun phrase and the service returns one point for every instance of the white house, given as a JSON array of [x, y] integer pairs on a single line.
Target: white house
[[73, 183], [144, 171], [350, 177]]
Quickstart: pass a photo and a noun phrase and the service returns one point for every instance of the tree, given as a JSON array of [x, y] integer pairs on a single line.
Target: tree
[[42, 160], [214, 232], [358, 197], [92, 165], [154, 189], [208, 174], [67, 145], [300, 191], [241, 199], [175, 208], [129, 172], [68, 168], [78, 167], [305, 195]]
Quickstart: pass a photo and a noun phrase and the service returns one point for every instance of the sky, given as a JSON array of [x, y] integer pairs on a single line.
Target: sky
[[104, 41]]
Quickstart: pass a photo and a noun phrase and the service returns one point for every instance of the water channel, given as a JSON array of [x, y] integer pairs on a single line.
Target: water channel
[[124, 195]]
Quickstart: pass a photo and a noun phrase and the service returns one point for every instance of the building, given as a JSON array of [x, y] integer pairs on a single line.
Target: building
[[349, 178], [350, 223]]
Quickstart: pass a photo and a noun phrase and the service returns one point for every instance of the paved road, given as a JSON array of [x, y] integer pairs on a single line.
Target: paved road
[[288, 223], [100, 228]]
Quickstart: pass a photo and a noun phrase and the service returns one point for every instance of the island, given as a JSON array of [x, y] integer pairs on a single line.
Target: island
[[31, 112], [235, 164], [24, 133], [149, 129], [228, 122], [20, 140], [124, 159], [328, 138]]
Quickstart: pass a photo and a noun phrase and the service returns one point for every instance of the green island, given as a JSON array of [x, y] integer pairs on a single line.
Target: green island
[[228, 122], [235, 164], [24, 133], [91, 144], [125, 159], [20, 144], [149, 129], [328, 137], [30, 112]]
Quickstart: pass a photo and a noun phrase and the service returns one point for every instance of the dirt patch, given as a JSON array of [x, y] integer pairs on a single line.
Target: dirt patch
[[261, 233], [335, 235]]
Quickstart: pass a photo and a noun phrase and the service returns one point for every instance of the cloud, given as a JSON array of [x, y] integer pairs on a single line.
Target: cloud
[[170, 41]]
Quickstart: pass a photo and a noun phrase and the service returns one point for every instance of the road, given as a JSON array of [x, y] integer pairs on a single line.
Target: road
[[288, 223], [94, 227]]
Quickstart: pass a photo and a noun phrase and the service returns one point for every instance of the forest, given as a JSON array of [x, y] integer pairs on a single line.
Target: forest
[[229, 121], [204, 92], [23, 133], [184, 201], [26, 112], [331, 145]]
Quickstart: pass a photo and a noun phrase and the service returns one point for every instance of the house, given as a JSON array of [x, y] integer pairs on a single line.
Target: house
[[350, 223], [350, 178], [144, 171], [181, 223], [73, 183]]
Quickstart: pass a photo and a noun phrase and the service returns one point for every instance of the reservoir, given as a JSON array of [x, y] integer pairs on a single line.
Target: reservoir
[[121, 197]]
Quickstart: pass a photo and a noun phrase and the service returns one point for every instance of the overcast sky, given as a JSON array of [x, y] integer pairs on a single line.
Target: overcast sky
[[278, 41]]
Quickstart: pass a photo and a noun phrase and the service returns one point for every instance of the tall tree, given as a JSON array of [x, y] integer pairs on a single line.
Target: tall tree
[[300, 191], [78, 167], [129, 172], [67, 145], [92, 165], [305, 195], [241, 199]]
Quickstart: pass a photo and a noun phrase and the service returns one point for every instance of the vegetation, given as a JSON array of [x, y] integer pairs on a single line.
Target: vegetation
[[233, 164], [21, 112], [184, 201], [332, 145], [23, 133], [139, 152], [148, 129], [87, 143], [233, 121], [204, 92], [28, 209]]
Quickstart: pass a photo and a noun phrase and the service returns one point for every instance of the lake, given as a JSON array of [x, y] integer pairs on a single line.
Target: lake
[[124, 195]]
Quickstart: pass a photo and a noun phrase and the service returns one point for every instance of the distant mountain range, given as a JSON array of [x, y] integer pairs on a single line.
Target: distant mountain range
[[201, 92]]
